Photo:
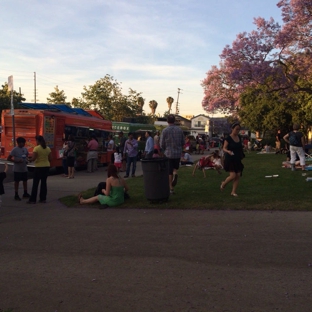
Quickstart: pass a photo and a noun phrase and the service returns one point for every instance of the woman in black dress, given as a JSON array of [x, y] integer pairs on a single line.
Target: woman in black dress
[[233, 153]]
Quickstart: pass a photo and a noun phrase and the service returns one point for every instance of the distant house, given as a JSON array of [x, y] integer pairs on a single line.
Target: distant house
[[212, 126], [184, 123]]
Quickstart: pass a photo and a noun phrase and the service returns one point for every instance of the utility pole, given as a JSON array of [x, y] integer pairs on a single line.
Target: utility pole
[[35, 91], [11, 89], [35, 88], [177, 104]]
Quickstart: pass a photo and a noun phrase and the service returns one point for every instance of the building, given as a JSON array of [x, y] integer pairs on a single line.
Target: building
[[212, 126]]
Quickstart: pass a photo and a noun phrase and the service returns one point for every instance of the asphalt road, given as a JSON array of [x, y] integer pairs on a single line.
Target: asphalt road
[[54, 258]]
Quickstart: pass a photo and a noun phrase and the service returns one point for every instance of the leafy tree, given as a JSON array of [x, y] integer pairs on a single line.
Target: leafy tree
[[141, 102], [5, 98], [76, 102], [57, 97], [263, 111], [169, 100], [106, 96], [275, 57]]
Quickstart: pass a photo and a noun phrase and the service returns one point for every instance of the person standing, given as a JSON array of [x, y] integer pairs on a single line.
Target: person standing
[[149, 145], [131, 149], [156, 141], [278, 139], [71, 153], [296, 142], [233, 153], [122, 141], [2, 177], [64, 159], [92, 155], [42, 157], [19, 156], [172, 142]]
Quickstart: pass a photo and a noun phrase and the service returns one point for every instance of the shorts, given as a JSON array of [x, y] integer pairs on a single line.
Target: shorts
[[117, 165], [20, 176], [174, 163]]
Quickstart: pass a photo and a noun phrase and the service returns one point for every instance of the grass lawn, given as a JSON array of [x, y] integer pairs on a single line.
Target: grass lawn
[[289, 191]]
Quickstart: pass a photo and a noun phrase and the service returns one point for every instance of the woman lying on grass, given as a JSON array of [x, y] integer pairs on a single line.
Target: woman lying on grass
[[114, 191]]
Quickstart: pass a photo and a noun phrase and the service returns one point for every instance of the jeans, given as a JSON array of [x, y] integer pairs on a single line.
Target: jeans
[[130, 160], [40, 176]]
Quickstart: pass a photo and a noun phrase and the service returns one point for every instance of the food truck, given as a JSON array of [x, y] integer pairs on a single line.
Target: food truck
[[137, 129], [55, 122]]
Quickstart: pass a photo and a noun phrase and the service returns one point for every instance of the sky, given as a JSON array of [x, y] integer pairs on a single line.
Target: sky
[[153, 47]]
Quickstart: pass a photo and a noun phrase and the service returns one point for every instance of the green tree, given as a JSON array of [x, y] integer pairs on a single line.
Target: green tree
[[57, 97], [141, 102], [263, 111], [169, 101], [153, 105], [5, 98], [106, 96]]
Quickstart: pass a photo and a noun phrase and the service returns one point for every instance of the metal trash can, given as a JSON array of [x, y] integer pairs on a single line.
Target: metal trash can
[[156, 179]]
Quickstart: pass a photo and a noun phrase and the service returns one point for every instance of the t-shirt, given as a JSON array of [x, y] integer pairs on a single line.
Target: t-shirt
[[117, 157], [295, 138], [42, 159], [20, 153], [187, 157], [110, 145]]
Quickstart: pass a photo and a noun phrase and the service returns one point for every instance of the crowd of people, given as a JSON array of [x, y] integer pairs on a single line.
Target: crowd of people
[[171, 144]]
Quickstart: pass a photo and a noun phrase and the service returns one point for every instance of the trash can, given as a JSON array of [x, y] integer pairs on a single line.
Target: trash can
[[156, 179]]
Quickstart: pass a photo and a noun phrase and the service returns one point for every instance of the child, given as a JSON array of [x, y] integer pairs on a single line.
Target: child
[[155, 155], [19, 156], [216, 161], [2, 177], [117, 159]]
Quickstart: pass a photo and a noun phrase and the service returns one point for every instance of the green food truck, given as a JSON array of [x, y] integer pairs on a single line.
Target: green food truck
[[137, 129]]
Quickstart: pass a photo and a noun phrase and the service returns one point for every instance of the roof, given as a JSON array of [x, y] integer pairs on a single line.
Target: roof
[[59, 107]]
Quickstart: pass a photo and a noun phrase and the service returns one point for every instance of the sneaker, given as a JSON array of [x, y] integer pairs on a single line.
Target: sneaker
[[30, 202], [16, 197], [171, 191], [126, 176], [42, 201], [175, 180], [26, 195]]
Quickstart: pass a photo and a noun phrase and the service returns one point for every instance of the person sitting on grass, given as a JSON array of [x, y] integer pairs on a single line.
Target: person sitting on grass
[[186, 159], [114, 192]]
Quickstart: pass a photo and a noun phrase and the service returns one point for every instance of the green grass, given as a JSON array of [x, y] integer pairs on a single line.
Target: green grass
[[289, 191]]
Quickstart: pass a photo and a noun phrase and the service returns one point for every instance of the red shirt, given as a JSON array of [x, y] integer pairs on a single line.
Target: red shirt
[[93, 145]]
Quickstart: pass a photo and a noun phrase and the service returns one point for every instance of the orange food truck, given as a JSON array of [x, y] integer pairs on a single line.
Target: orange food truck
[[55, 122]]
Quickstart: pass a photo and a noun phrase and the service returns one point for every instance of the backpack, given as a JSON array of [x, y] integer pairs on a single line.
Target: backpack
[[293, 139]]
